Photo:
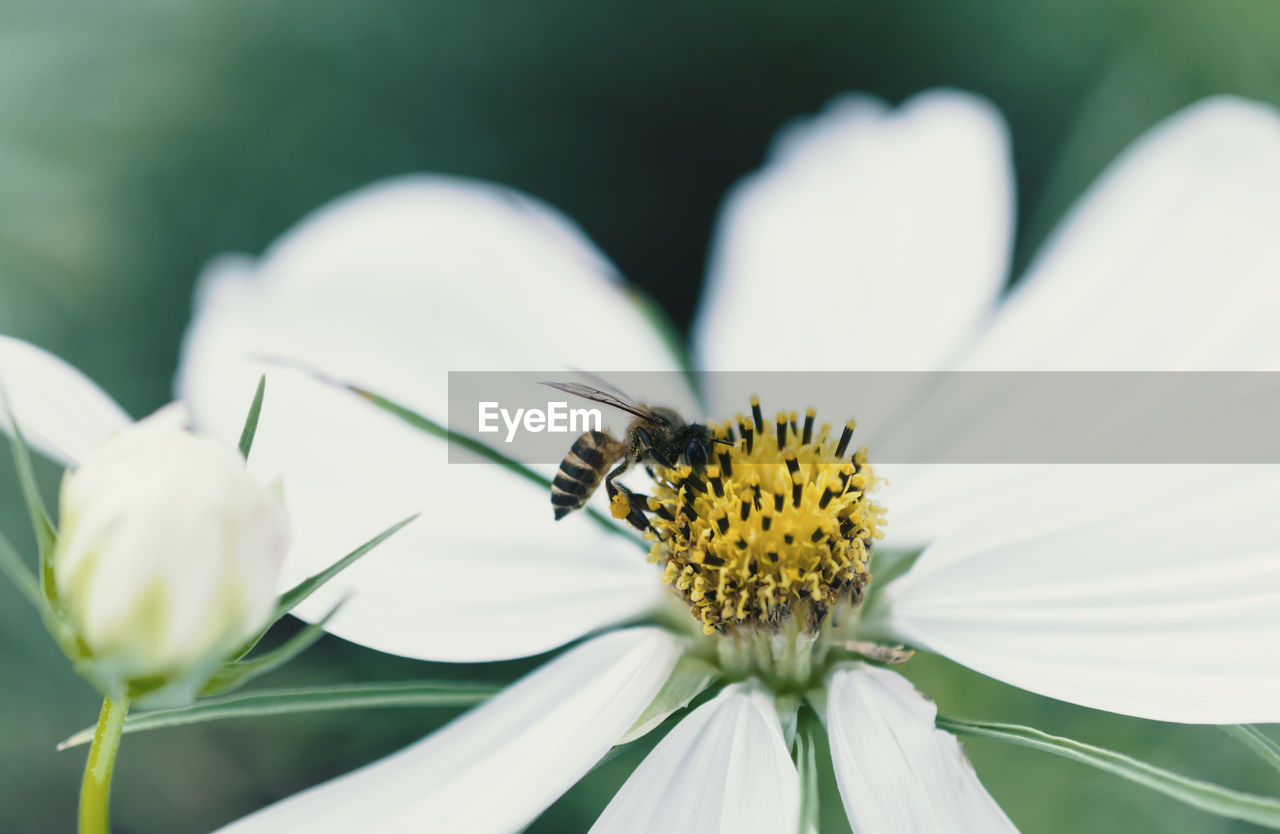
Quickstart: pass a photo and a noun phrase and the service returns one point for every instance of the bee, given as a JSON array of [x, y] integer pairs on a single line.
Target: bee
[[656, 434]]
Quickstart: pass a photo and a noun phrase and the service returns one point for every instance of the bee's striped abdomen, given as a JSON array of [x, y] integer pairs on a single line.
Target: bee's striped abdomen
[[581, 471]]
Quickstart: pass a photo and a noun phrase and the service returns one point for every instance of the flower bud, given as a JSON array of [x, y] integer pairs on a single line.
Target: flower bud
[[166, 560]]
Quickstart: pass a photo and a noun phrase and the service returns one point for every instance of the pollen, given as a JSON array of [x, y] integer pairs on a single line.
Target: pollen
[[620, 506], [777, 529]]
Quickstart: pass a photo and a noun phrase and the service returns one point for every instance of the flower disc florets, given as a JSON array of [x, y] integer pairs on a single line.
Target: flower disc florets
[[779, 526]]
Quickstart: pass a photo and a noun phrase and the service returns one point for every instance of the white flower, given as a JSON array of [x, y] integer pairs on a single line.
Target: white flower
[[168, 551], [873, 239]]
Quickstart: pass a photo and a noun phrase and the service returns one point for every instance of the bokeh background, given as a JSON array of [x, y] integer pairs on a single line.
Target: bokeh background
[[137, 139]]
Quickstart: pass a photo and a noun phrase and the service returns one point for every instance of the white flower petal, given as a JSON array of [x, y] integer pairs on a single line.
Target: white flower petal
[[874, 239], [497, 767], [1167, 262], [924, 501], [1151, 591], [392, 288], [399, 283], [897, 773], [723, 768], [61, 412]]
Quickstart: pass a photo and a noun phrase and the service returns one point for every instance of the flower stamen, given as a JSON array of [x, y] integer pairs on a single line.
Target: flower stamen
[[780, 527]]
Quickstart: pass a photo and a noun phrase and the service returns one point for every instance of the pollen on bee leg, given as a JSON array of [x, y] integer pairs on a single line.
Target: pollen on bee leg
[[619, 505], [772, 534]]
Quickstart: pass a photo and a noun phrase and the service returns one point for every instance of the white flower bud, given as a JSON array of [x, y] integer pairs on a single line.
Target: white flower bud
[[166, 561]]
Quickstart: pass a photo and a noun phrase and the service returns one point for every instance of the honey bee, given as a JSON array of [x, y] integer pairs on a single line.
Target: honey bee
[[657, 434]]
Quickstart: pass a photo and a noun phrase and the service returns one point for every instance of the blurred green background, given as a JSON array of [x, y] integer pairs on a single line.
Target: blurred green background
[[137, 139]]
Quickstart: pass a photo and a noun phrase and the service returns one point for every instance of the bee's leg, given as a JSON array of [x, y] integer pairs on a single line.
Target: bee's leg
[[623, 503], [644, 446]]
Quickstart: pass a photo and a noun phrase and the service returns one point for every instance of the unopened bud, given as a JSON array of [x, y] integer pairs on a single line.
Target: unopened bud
[[166, 561]]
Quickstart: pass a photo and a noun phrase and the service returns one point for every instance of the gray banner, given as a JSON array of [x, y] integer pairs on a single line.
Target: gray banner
[[942, 417]]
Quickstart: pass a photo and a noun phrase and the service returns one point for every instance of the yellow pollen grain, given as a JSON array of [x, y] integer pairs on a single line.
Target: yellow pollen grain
[[778, 526]]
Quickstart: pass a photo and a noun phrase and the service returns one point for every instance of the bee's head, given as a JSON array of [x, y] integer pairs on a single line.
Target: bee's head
[[694, 444]]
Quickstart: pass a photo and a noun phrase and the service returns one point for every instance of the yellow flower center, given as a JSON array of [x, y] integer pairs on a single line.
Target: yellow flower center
[[780, 527]]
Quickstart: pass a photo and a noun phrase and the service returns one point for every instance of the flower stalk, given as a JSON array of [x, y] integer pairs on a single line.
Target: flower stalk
[[95, 790]]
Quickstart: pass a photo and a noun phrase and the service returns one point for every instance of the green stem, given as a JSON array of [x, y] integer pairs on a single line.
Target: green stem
[[95, 791]]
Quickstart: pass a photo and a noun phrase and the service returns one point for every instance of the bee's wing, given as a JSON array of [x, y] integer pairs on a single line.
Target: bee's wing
[[620, 402], [604, 385]]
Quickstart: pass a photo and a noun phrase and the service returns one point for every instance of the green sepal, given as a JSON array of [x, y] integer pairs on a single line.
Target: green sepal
[[165, 689], [41, 522], [1206, 796], [308, 699], [251, 421], [295, 595], [38, 587], [688, 680], [236, 673], [886, 566], [658, 718], [806, 760], [291, 598], [617, 749], [12, 566]]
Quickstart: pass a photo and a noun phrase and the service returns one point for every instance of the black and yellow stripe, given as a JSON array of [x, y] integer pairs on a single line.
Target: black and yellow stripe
[[582, 470]]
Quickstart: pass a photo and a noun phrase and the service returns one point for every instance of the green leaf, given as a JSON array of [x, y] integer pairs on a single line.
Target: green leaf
[[1206, 796], [688, 679], [251, 421], [1257, 741], [309, 699], [431, 427], [12, 566], [807, 766], [237, 673], [295, 595]]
